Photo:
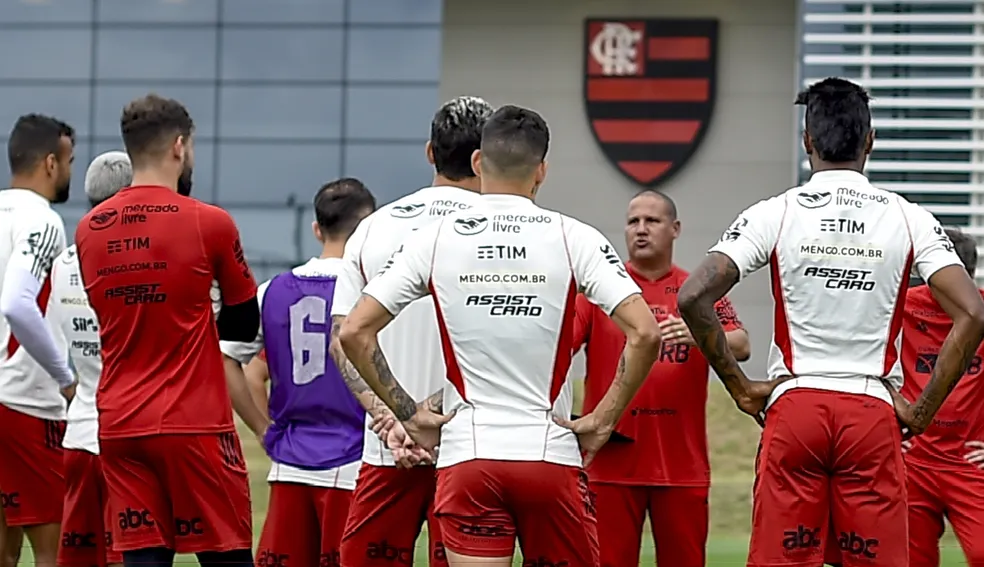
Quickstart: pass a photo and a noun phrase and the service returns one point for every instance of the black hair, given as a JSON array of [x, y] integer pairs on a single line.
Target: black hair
[[515, 141], [340, 205], [670, 204], [150, 123], [455, 134], [33, 138], [965, 247], [837, 119]]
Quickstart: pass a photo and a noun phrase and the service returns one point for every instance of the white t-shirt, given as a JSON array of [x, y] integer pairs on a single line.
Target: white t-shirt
[[75, 327], [32, 235], [411, 342], [504, 276], [841, 252], [342, 477]]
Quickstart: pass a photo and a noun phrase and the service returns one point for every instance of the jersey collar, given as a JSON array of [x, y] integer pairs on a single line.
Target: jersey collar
[[29, 195], [639, 277], [838, 175]]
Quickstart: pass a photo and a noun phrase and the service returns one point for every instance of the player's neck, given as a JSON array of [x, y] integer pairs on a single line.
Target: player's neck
[[654, 268], [154, 177], [28, 182], [493, 186], [331, 249], [472, 184], [830, 166]]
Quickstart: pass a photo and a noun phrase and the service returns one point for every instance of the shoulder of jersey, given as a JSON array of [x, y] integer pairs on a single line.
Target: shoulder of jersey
[[818, 197], [429, 202]]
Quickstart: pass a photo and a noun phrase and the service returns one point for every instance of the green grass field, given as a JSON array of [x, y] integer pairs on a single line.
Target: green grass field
[[733, 440]]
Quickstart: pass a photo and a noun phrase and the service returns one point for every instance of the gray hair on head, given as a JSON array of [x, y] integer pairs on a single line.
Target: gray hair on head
[[107, 174]]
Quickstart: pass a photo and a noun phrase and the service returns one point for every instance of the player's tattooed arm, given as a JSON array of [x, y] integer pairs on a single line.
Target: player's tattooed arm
[[363, 394], [711, 281], [399, 400], [434, 402]]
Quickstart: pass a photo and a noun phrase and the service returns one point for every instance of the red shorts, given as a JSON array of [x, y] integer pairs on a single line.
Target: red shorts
[[484, 505], [825, 459], [32, 483], [189, 493], [389, 506], [86, 539], [303, 526], [956, 494], [678, 518]]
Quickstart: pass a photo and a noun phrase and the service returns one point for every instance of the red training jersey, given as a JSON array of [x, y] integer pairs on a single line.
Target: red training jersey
[[961, 419], [667, 419], [148, 257]]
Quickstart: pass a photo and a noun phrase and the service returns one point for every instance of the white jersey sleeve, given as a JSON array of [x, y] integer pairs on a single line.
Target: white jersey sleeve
[[351, 279], [405, 276], [931, 247], [244, 352], [751, 238], [598, 271], [37, 243]]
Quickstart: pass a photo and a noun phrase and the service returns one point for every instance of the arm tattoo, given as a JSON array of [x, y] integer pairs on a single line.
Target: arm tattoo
[[434, 403], [350, 375], [715, 276], [955, 355], [403, 405]]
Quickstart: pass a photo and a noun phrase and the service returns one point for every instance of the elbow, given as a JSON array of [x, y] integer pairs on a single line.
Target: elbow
[[352, 338], [742, 351], [647, 338], [975, 317], [688, 300]]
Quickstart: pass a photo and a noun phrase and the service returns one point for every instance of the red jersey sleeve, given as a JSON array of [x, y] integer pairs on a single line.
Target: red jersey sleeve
[[583, 310], [225, 252], [727, 315]]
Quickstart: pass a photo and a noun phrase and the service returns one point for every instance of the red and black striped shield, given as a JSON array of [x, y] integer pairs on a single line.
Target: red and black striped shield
[[649, 89]]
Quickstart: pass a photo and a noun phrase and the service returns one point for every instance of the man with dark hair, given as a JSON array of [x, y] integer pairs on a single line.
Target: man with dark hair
[[315, 440], [840, 252], [86, 521], [390, 505], [32, 367], [148, 257], [504, 276], [660, 465]]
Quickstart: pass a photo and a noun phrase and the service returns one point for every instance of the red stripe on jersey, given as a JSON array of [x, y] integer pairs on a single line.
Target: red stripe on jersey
[[43, 295], [891, 352], [565, 343], [781, 322], [450, 360]]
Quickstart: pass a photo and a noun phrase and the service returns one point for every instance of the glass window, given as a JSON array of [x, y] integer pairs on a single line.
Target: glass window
[[158, 11], [395, 11], [273, 173], [72, 213], [154, 54], [203, 178], [412, 54], [49, 12], [390, 113], [283, 11], [287, 113], [269, 234], [69, 104], [286, 54], [390, 171], [54, 54], [110, 100]]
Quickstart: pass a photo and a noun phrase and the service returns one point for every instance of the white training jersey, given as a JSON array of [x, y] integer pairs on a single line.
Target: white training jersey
[[342, 477], [32, 234], [76, 329], [840, 253], [411, 343], [504, 276]]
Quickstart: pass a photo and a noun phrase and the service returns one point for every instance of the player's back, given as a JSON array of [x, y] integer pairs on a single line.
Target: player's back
[[961, 418], [317, 423], [28, 226], [840, 266], [147, 262]]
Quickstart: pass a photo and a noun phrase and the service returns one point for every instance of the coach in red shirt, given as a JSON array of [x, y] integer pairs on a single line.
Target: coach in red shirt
[[174, 469], [657, 460]]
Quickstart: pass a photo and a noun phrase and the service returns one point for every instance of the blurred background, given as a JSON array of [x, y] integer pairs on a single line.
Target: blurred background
[[289, 94]]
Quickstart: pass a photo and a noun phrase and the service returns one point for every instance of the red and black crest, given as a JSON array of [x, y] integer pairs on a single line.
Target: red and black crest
[[649, 89]]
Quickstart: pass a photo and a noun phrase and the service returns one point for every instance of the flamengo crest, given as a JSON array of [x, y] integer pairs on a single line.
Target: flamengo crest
[[649, 89]]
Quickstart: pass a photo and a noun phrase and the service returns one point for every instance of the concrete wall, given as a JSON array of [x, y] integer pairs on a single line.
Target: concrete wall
[[532, 53]]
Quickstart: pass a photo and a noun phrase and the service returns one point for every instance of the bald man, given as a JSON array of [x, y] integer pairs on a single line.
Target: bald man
[[86, 536]]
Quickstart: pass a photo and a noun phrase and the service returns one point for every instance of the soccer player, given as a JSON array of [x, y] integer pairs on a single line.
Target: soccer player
[[315, 440], [86, 535], [941, 480], [174, 468], [390, 505], [840, 253], [32, 367], [504, 276], [662, 466]]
